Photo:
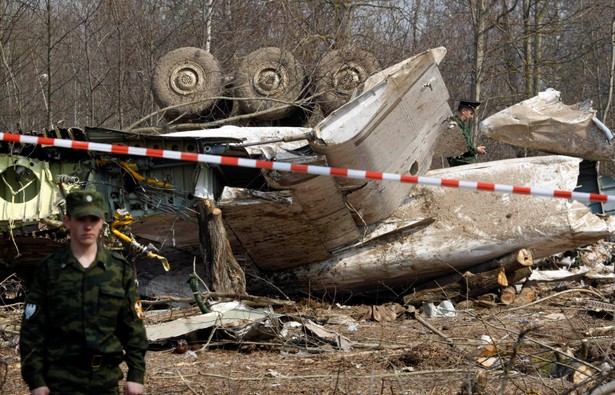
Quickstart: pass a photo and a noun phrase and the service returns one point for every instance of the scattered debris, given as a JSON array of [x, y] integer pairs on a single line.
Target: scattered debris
[[444, 309]]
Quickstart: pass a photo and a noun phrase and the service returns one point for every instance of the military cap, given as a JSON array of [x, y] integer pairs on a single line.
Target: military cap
[[473, 104], [83, 203]]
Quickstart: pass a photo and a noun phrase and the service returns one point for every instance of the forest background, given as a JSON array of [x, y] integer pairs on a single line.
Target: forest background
[[90, 63]]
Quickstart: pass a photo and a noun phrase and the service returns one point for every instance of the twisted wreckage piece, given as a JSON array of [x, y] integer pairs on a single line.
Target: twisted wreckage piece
[[312, 232]]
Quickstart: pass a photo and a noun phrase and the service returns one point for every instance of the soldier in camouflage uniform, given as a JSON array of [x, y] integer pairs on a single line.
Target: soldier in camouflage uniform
[[465, 113], [82, 316]]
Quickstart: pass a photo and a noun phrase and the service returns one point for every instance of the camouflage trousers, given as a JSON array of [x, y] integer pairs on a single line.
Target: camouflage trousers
[[77, 379]]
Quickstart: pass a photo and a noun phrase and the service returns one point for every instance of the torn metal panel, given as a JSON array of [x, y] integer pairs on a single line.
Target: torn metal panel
[[272, 228], [27, 191], [170, 229], [544, 123], [183, 326], [468, 228], [321, 200], [392, 127], [324, 205], [258, 136]]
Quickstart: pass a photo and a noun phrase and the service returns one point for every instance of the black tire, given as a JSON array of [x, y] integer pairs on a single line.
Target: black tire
[[339, 73], [187, 76], [268, 73]]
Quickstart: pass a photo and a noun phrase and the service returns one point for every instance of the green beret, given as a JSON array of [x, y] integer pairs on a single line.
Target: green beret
[[83, 203]]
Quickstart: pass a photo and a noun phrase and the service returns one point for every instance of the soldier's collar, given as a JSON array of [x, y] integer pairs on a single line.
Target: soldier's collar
[[101, 259]]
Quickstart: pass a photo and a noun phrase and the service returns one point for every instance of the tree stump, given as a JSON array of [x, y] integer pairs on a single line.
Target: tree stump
[[223, 271]]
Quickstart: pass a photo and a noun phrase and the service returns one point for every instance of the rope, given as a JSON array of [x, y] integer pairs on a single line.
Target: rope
[[305, 169]]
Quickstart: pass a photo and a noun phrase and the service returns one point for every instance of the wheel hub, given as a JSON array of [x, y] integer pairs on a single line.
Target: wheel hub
[[270, 81], [348, 77], [186, 79]]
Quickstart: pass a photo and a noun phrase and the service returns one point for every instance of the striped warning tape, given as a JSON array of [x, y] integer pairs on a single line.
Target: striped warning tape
[[307, 169]]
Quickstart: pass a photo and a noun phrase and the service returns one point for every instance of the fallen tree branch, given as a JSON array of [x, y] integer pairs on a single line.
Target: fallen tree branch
[[333, 376], [433, 329], [186, 383], [589, 291]]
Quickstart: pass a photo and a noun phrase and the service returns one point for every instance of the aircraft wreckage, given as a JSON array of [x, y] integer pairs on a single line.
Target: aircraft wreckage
[[297, 231]]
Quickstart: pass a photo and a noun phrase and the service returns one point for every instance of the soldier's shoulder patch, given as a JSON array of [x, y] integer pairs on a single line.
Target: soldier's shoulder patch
[[139, 310], [30, 310]]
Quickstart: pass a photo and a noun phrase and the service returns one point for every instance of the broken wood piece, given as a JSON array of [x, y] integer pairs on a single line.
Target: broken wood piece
[[386, 312], [487, 300], [581, 373], [414, 313], [507, 295], [502, 280], [602, 331], [340, 341]]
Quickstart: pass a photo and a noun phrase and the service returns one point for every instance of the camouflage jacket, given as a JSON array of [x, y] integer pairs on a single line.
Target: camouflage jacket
[[73, 313], [470, 155]]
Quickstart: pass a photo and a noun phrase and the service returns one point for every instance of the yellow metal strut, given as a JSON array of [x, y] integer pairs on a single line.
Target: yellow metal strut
[[123, 218]]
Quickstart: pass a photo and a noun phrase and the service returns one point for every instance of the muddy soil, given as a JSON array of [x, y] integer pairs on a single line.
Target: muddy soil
[[482, 350]]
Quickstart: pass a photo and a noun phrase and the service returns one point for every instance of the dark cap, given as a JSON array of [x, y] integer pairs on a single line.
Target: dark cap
[[473, 104], [83, 203]]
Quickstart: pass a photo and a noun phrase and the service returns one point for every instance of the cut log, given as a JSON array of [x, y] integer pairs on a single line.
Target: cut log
[[507, 295], [518, 275], [527, 294], [476, 281], [470, 287], [223, 272]]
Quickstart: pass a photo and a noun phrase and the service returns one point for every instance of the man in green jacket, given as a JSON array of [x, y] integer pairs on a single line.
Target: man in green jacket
[[465, 113], [82, 316]]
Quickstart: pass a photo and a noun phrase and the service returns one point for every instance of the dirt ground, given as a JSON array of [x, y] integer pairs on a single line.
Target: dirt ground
[[516, 349]]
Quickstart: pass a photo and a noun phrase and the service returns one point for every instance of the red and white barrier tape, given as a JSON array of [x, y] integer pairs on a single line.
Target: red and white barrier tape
[[307, 169]]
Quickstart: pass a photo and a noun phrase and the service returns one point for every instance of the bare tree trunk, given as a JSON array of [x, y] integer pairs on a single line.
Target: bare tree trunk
[[611, 72], [49, 75], [120, 66], [223, 272], [13, 82], [207, 11], [537, 49], [343, 22], [478, 16], [528, 36], [415, 24]]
